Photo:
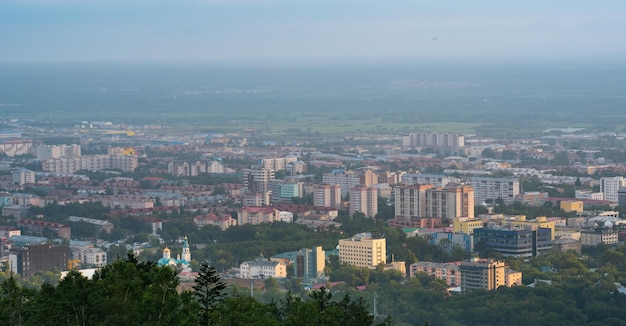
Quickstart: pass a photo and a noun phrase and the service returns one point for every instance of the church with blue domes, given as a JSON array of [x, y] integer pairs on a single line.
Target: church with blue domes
[[182, 260]]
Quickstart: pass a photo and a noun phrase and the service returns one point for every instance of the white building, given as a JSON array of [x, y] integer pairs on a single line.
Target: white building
[[23, 176], [610, 186], [90, 256], [262, 268], [494, 188]]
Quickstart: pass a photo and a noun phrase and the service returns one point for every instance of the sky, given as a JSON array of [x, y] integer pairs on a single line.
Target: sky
[[310, 30]]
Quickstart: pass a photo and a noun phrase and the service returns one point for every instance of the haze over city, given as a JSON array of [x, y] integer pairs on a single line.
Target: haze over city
[[339, 163], [308, 31]]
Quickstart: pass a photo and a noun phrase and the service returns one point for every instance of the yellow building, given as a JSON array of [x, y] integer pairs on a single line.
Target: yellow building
[[363, 251], [466, 225], [572, 206], [482, 274], [520, 221], [512, 278]]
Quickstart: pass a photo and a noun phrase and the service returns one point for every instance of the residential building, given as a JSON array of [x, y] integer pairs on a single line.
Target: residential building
[[92, 257], [565, 245], [277, 164], [595, 237], [364, 200], [363, 250], [610, 186], [9, 231], [532, 198], [435, 140], [257, 215], [410, 201], [46, 152], [39, 228], [572, 206], [187, 168], [326, 195], [13, 147], [256, 180], [449, 202], [101, 225], [467, 225], [588, 194], [481, 274], [224, 221], [494, 188], [23, 176], [438, 180], [69, 165], [368, 178], [345, 180], [450, 272], [262, 268], [28, 260]]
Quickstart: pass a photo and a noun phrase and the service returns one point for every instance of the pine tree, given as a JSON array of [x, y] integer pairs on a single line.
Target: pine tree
[[208, 291]]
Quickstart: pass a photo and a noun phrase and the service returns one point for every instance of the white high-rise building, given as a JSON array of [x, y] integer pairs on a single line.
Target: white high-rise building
[[364, 200], [494, 188], [609, 186]]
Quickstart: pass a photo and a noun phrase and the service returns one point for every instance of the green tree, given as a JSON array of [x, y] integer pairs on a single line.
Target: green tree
[[209, 292]]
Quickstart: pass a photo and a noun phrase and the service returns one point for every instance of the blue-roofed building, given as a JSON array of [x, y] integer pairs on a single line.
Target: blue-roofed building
[[182, 260]]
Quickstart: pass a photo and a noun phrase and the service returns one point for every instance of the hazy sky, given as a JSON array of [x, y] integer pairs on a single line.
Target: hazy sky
[[276, 30]]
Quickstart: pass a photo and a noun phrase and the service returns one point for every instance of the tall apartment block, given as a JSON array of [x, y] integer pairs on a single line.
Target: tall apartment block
[[481, 274], [410, 201], [46, 152], [439, 180], [610, 186], [346, 180], [450, 141], [364, 200], [363, 250], [190, 169], [256, 180], [450, 202], [69, 165], [326, 195], [494, 188], [277, 164]]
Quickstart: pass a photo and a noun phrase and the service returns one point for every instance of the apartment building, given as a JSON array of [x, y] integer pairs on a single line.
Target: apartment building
[[326, 195], [345, 180], [190, 168], [46, 152], [450, 272], [28, 260], [277, 164], [449, 202], [256, 180], [364, 200], [494, 188], [410, 201], [363, 250], [436, 140], [257, 215], [23, 176], [69, 165], [481, 274], [609, 187]]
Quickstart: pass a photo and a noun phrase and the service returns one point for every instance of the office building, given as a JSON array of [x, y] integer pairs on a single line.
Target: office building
[[309, 263], [363, 250], [526, 241]]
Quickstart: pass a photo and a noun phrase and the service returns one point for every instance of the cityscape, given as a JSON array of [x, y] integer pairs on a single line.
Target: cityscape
[[335, 163]]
